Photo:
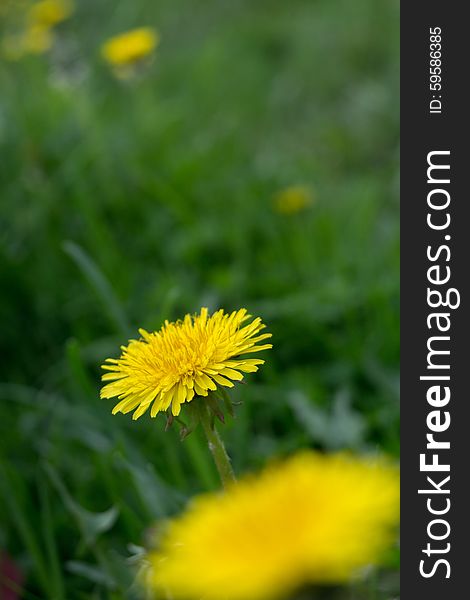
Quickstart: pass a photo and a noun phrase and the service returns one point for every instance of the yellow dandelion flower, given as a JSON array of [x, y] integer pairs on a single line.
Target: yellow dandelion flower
[[183, 360], [34, 40], [312, 519], [37, 40], [48, 13], [37, 33], [293, 200], [131, 47]]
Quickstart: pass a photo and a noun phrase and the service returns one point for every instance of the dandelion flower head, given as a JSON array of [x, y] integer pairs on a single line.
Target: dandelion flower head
[[131, 47], [49, 13], [34, 40], [313, 519], [183, 360], [293, 200], [36, 35]]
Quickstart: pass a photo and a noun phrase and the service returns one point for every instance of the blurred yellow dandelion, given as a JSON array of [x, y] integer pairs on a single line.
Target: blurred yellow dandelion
[[293, 200], [131, 47], [312, 519], [183, 360], [37, 39], [49, 13], [37, 33], [34, 40]]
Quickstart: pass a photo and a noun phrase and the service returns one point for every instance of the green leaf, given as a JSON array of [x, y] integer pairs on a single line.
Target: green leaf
[[340, 427], [90, 524], [100, 286], [49, 534], [12, 492], [91, 573], [158, 498]]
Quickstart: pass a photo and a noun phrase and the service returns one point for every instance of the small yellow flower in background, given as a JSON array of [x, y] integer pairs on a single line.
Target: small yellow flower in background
[[130, 48], [37, 35], [35, 40], [49, 13], [312, 519], [183, 360], [293, 200]]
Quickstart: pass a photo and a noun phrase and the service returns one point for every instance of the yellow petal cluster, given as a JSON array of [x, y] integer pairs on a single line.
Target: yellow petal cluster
[[35, 40], [37, 35], [48, 13], [184, 359], [130, 47], [293, 200], [312, 519]]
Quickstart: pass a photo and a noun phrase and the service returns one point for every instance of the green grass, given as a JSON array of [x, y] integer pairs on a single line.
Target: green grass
[[123, 204]]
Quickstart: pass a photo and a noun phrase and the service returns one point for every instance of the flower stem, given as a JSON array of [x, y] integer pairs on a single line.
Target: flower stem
[[216, 446]]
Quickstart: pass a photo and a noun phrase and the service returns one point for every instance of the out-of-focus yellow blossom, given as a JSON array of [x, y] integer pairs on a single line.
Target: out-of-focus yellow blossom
[[37, 33], [183, 360], [313, 519], [293, 200], [48, 13], [37, 39], [129, 48], [34, 40]]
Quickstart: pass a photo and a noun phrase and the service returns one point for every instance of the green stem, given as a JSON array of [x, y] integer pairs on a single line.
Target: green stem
[[216, 446]]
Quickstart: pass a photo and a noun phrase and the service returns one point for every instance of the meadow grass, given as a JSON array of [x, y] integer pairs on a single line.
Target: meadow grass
[[126, 203]]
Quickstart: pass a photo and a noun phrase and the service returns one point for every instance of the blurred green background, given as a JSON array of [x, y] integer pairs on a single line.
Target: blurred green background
[[124, 203]]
